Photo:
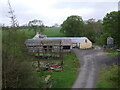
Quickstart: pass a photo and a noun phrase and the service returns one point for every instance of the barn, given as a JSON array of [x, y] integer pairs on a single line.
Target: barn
[[42, 43], [67, 43], [81, 42], [47, 47], [70, 42]]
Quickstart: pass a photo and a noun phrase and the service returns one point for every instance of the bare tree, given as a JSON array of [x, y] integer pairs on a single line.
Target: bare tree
[[13, 18]]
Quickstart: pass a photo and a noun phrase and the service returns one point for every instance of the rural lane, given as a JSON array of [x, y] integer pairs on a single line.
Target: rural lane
[[90, 62]]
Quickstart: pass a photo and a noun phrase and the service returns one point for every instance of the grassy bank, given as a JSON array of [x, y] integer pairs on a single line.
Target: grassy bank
[[109, 77], [112, 53], [66, 78]]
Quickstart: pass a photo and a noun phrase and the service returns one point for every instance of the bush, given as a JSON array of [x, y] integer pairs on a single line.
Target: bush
[[17, 70]]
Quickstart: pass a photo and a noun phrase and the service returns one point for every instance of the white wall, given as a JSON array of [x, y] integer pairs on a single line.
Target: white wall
[[85, 45]]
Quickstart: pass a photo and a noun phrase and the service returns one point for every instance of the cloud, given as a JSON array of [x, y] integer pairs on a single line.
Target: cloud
[[56, 11]]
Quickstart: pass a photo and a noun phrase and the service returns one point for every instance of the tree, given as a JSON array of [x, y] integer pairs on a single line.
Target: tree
[[12, 16], [73, 26], [16, 69], [36, 26], [93, 29], [111, 25]]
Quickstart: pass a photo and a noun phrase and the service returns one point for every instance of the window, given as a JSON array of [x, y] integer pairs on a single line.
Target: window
[[45, 48], [66, 47], [86, 40]]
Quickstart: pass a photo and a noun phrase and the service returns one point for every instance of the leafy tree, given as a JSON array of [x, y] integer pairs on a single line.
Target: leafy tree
[[103, 39], [111, 25], [36, 26], [93, 29], [17, 70], [73, 26]]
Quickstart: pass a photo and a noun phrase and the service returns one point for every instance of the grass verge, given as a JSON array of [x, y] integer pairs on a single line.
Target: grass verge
[[112, 53], [66, 78], [109, 77]]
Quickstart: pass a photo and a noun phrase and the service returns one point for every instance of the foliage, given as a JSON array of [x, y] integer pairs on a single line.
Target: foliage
[[66, 78], [109, 77], [17, 71], [103, 39], [73, 26], [111, 25], [16, 68], [92, 29], [36, 26]]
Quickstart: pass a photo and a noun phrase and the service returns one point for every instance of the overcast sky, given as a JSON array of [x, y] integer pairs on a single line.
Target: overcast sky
[[55, 11]]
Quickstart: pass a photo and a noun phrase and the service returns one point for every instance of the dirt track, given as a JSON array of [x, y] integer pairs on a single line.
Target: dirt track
[[90, 62]]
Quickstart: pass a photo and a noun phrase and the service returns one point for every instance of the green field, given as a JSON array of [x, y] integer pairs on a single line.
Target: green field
[[53, 32], [50, 32]]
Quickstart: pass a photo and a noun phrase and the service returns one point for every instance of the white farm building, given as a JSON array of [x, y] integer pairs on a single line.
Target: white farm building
[[80, 42]]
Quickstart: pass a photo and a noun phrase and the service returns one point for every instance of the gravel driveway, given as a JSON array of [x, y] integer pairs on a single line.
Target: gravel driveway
[[90, 62]]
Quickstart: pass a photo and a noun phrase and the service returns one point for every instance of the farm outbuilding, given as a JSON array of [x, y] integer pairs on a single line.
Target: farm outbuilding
[[56, 45], [66, 43], [48, 44], [80, 42], [44, 45]]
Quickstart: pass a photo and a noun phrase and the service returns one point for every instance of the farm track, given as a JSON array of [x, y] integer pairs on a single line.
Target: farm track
[[90, 63]]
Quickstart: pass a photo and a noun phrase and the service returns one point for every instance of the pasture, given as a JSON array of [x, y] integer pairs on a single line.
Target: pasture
[[49, 31], [53, 32]]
